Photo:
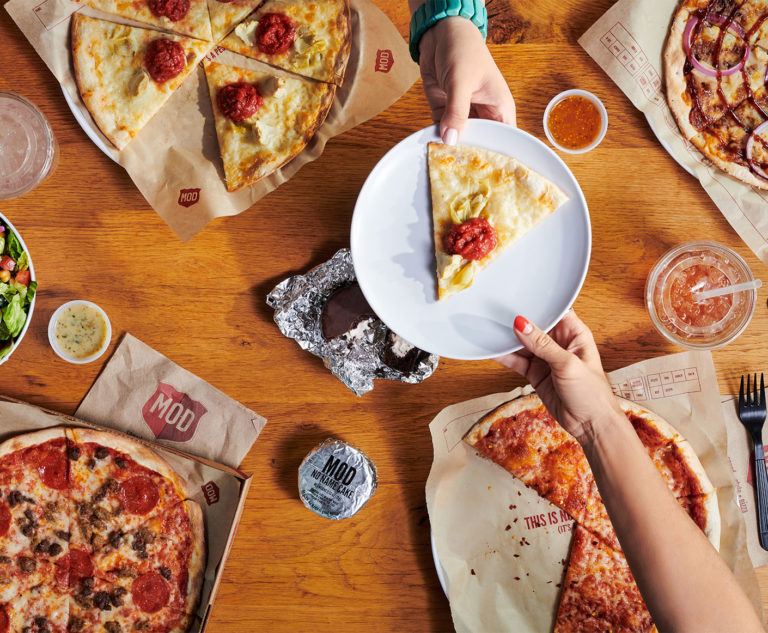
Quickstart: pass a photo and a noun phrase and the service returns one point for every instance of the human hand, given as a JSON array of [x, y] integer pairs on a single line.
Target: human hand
[[461, 79], [565, 370]]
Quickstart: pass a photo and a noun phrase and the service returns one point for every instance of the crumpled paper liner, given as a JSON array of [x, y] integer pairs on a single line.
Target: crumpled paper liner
[[504, 549], [174, 161], [627, 42]]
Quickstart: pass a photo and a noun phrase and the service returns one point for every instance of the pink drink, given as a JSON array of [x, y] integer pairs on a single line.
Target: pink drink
[[27, 146]]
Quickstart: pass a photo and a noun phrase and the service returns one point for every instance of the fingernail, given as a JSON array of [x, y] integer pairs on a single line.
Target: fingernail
[[523, 325], [450, 136]]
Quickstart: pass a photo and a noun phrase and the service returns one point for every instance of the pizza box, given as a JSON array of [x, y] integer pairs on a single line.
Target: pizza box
[[222, 490]]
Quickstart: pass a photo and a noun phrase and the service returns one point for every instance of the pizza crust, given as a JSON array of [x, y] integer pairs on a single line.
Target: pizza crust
[[137, 451], [507, 410], [197, 562], [27, 440]]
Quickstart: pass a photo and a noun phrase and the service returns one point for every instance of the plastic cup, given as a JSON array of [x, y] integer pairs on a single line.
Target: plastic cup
[[27, 146], [670, 295]]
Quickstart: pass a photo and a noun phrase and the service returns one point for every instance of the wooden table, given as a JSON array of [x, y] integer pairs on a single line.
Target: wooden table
[[202, 304]]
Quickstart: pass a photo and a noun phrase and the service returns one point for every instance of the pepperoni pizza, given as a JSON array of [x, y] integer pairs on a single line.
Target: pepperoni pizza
[[96, 534], [524, 439], [716, 65]]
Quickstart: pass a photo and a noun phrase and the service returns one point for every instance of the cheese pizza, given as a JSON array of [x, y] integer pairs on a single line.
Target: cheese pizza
[[225, 14], [312, 39], [96, 534], [481, 203], [125, 74], [186, 17], [716, 64], [599, 594], [263, 120]]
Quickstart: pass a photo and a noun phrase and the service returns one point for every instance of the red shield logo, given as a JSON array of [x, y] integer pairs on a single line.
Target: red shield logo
[[384, 60], [188, 197], [211, 492], [172, 415]]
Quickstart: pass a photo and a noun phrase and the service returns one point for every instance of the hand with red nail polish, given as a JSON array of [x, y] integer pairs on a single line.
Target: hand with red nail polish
[[564, 368]]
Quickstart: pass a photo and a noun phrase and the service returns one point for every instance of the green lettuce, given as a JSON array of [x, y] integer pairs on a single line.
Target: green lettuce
[[6, 349], [12, 246], [14, 315], [23, 262]]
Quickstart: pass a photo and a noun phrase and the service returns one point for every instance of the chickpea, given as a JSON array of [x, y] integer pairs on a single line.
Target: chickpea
[[5, 276]]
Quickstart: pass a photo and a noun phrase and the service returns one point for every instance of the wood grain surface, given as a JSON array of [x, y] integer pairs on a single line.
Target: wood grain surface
[[92, 235]]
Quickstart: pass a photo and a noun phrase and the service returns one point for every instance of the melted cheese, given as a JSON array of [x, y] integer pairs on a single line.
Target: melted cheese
[[467, 182], [109, 66], [279, 129]]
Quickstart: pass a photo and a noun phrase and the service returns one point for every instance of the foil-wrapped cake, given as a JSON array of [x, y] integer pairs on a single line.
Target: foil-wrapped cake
[[325, 312]]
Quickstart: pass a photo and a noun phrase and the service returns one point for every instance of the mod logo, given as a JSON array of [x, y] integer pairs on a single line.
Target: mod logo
[[172, 415], [188, 197], [211, 492], [384, 60]]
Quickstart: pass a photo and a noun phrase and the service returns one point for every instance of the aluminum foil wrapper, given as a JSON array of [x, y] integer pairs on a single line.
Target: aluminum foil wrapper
[[355, 360], [336, 479]]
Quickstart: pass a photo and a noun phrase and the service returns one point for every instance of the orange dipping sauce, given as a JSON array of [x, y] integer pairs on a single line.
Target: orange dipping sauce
[[574, 122]]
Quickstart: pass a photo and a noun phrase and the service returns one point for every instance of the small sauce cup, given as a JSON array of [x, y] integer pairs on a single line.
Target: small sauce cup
[[603, 125], [59, 349], [694, 323]]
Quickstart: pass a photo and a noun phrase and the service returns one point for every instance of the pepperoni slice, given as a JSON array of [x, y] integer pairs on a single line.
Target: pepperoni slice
[[150, 592], [5, 624], [174, 10], [275, 33], [50, 461], [164, 59], [73, 567], [239, 101], [139, 494], [5, 518]]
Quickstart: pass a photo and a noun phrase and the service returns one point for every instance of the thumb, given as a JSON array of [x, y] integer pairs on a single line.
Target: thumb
[[539, 343], [458, 101]]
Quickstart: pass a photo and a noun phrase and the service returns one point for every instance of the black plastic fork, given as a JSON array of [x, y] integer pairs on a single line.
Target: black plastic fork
[[752, 413]]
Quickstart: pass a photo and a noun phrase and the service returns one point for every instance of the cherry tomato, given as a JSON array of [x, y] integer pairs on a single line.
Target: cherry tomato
[[23, 277]]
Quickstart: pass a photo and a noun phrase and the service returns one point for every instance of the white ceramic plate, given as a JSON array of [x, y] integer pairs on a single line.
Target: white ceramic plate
[[392, 249], [88, 127]]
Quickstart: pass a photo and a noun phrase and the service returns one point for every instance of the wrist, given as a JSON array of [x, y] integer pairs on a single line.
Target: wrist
[[600, 432], [430, 13]]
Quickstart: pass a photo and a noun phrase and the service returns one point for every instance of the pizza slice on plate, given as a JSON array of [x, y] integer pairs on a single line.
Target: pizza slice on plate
[[225, 14], [481, 203], [599, 592], [186, 17], [312, 39], [125, 74], [263, 120]]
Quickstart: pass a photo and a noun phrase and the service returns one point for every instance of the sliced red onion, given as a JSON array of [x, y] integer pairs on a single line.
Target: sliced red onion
[[750, 147], [703, 68]]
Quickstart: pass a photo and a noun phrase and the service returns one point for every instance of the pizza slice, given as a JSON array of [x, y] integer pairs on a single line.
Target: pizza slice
[[185, 17], [225, 14], [481, 203], [263, 120], [39, 609], [523, 438], [125, 74], [599, 592], [312, 39]]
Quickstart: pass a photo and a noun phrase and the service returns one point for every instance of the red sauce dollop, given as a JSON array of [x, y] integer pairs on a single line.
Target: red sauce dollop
[[164, 59], [174, 10], [472, 239], [239, 101], [275, 33]]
